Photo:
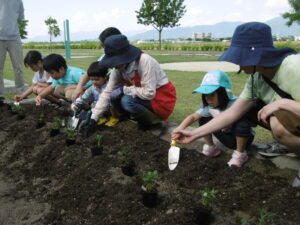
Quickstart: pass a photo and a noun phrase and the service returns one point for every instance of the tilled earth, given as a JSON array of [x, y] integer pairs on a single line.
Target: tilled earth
[[45, 182]]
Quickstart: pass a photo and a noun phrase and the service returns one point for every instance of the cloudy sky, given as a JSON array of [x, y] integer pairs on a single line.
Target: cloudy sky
[[95, 15]]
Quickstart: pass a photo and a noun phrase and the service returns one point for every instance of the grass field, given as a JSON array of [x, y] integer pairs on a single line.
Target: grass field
[[185, 82]]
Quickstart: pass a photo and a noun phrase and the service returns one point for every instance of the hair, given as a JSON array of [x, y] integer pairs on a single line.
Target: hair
[[54, 62], [97, 70], [32, 58], [108, 32], [222, 97]]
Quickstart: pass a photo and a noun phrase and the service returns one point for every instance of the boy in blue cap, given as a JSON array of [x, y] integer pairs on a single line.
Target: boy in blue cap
[[274, 81], [217, 97]]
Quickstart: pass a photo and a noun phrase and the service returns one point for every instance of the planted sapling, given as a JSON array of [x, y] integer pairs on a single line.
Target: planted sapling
[[208, 195], [41, 120], [98, 148], [19, 110], [71, 135], [150, 195], [203, 210], [265, 218], [55, 126], [128, 167]]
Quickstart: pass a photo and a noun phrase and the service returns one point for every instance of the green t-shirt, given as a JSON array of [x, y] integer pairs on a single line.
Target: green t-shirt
[[287, 78]]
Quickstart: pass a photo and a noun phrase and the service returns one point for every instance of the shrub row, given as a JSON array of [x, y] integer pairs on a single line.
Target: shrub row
[[203, 46]]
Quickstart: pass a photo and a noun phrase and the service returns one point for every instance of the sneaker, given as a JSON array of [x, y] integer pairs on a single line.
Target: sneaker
[[275, 149], [296, 182], [238, 159], [211, 151]]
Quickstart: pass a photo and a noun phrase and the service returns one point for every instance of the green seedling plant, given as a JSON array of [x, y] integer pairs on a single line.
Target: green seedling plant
[[123, 156], [149, 180], [18, 109], [56, 123], [42, 117], [264, 218], [208, 195], [71, 133], [98, 138]]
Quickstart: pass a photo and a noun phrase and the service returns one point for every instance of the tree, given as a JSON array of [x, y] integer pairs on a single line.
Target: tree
[[22, 28], [294, 14], [161, 14], [53, 29]]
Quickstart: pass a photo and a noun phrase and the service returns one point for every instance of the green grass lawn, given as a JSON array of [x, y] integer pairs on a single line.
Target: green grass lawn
[[185, 82]]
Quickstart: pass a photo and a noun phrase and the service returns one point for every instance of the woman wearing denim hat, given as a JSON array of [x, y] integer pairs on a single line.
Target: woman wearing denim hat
[[217, 97], [137, 87], [252, 49]]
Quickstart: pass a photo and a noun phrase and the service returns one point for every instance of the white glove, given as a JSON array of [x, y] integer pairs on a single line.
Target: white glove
[[74, 107]]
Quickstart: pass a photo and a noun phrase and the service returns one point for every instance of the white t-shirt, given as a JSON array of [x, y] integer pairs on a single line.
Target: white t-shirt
[[41, 78]]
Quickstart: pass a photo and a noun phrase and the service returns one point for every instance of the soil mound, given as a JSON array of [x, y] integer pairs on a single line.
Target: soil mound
[[45, 182]]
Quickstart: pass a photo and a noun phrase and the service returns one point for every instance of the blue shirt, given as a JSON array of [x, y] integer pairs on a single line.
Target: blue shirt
[[72, 77]]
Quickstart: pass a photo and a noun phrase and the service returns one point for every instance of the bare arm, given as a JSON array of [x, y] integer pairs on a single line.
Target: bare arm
[[184, 124], [80, 89], [224, 119]]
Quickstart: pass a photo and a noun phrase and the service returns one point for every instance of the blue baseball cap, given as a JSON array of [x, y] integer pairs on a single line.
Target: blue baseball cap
[[212, 81]]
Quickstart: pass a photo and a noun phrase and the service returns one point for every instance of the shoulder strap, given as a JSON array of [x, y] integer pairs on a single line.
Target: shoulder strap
[[274, 86]]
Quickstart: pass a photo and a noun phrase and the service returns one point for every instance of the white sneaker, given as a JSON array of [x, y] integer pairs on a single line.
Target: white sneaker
[[211, 151], [296, 182]]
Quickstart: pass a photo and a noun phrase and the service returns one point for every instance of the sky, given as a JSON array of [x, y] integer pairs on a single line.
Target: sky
[[96, 15]]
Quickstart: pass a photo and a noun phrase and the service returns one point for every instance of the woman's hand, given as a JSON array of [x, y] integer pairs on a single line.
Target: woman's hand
[[264, 114], [186, 136]]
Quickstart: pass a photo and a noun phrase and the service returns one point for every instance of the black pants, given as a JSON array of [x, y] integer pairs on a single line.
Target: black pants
[[241, 128]]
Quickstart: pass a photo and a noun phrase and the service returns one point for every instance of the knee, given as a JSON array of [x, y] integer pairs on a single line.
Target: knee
[[127, 103], [277, 128], [242, 128]]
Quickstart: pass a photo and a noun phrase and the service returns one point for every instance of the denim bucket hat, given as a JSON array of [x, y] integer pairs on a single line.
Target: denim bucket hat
[[252, 45], [212, 81], [118, 51]]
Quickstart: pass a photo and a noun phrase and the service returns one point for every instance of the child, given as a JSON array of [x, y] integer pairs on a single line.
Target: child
[[41, 79], [137, 87], [65, 78], [216, 97], [99, 76]]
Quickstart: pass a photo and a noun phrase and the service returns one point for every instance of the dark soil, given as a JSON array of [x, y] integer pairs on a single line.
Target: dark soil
[[45, 182]]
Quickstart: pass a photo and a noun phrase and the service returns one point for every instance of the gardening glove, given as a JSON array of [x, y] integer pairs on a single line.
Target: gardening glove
[[74, 108], [117, 93]]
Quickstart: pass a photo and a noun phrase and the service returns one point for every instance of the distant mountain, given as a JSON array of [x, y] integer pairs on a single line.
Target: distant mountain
[[222, 29], [80, 36]]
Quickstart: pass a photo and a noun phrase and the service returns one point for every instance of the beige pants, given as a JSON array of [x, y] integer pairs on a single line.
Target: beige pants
[[60, 91], [289, 120], [14, 49]]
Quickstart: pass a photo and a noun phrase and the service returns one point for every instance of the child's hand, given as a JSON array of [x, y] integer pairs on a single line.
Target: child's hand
[[18, 98], [38, 100]]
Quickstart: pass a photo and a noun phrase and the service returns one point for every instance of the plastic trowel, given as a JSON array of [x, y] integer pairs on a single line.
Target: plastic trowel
[[73, 121], [173, 155]]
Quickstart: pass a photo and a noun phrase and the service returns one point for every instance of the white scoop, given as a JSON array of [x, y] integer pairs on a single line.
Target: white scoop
[[173, 155]]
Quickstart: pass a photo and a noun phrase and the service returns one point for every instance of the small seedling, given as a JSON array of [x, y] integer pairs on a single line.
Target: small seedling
[[123, 156], [98, 138], [264, 218], [208, 195], [56, 123], [41, 118], [149, 180], [18, 109], [71, 133]]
